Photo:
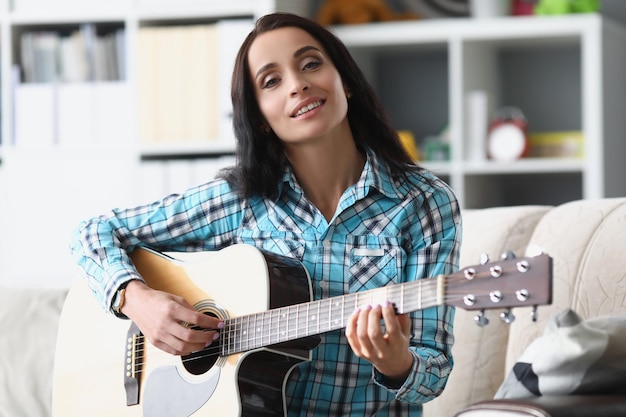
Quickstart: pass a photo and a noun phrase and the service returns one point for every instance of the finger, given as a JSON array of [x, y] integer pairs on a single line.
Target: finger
[[405, 324], [392, 325], [363, 329], [374, 328], [362, 323], [207, 322], [377, 338], [183, 312], [351, 332], [184, 340]]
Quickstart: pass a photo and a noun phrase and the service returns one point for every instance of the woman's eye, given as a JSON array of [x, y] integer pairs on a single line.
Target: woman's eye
[[269, 82], [312, 64]]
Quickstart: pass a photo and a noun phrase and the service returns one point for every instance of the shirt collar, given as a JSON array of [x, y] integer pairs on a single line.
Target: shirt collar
[[376, 175]]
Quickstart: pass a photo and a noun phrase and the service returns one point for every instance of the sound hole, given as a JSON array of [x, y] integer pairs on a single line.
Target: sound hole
[[198, 363]]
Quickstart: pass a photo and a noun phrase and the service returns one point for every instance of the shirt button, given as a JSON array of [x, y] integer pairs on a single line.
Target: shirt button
[[323, 284], [319, 365], [326, 244]]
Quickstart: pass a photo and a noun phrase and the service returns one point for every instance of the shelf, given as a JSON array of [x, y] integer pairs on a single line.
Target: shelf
[[187, 150], [555, 29], [216, 9], [527, 165]]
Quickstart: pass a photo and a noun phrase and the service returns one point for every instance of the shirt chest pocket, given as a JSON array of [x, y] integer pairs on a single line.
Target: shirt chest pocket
[[374, 264]]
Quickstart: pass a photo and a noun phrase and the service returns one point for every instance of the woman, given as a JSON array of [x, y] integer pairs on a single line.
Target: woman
[[322, 177]]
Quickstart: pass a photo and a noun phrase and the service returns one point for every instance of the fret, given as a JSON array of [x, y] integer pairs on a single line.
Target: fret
[[226, 336], [245, 336], [343, 310], [291, 314], [257, 335], [234, 334], [325, 309], [316, 319], [266, 324], [307, 322], [419, 294], [273, 331], [268, 329], [296, 329]]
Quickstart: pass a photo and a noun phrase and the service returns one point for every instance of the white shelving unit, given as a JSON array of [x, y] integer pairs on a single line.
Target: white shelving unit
[[566, 73]]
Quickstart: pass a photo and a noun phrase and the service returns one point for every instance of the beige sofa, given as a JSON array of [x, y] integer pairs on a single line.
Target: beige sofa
[[585, 238]]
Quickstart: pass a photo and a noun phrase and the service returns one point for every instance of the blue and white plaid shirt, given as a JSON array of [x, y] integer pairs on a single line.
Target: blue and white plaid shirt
[[413, 228]]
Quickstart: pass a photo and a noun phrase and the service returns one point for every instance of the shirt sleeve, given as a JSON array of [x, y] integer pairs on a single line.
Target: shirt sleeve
[[436, 242], [202, 218]]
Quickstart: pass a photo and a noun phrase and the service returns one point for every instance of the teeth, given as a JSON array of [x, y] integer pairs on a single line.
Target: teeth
[[308, 108]]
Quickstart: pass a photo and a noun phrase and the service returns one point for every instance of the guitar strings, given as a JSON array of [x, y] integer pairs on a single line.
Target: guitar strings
[[233, 330]]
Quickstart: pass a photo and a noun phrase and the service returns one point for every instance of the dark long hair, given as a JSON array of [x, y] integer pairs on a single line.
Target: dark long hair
[[261, 157]]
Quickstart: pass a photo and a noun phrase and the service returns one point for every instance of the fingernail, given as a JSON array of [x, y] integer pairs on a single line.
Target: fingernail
[[208, 344], [220, 325], [216, 336]]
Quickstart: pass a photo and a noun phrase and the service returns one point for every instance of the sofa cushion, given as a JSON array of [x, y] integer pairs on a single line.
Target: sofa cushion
[[28, 325], [478, 352], [586, 241], [573, 356]]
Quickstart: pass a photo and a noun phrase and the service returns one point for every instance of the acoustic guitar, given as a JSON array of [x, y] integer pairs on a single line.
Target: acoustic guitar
[[105, 367]]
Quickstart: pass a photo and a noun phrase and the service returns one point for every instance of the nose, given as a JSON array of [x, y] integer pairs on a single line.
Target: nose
[[300, 84]]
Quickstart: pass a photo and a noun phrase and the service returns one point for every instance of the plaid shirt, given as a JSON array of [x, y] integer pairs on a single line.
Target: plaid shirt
[[411, 230]]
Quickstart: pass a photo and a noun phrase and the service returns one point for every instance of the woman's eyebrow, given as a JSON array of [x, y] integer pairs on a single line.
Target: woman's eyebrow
[[304, 49], [296, 54]]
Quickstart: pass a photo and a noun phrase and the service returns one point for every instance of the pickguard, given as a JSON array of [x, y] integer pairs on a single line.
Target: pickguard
[[168, 394]]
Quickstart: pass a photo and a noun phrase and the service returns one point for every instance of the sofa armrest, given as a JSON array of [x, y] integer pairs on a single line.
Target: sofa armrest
[[613, 405]]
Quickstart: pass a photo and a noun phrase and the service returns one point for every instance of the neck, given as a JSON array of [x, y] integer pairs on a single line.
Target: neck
[[326, 169]]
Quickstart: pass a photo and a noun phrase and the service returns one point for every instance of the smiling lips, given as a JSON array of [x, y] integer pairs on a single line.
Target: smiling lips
[[308, 108]]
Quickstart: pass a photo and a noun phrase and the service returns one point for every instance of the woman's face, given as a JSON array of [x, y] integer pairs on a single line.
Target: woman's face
[[298, 89]]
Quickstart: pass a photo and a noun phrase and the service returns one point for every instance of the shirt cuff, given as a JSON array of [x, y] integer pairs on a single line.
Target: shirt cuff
[[390, 384]]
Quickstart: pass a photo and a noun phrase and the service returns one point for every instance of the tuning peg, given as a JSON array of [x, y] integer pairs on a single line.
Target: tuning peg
[[483, 259], [534, 250], [480, 319], [507, 317], [508, 255]]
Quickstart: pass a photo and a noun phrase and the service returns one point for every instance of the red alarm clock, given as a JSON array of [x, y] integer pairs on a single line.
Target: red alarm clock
[[508, 138]]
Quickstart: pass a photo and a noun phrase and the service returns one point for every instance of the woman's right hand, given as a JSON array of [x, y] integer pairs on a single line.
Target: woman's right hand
[[160, 317]]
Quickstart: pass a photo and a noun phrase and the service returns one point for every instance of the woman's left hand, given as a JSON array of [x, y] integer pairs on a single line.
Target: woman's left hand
[[389, 351]]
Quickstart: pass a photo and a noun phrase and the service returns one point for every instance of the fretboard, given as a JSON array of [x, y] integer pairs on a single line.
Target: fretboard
[[284, 324]]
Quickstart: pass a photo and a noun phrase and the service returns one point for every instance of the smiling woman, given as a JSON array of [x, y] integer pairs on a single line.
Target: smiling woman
[[322, 180]]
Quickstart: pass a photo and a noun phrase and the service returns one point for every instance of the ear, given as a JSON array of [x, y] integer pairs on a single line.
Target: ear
[[265, 128], [347, 91]]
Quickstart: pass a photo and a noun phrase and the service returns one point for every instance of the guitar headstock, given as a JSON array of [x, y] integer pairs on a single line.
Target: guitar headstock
[[503, 284]]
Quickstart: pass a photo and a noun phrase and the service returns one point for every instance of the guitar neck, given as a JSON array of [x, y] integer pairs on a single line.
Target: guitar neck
[[307, 319]]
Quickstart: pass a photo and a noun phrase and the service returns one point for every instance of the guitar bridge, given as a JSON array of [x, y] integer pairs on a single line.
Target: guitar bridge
[[133, 364]]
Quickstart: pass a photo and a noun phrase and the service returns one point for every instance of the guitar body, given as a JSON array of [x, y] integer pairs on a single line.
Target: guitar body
[[101, 365]]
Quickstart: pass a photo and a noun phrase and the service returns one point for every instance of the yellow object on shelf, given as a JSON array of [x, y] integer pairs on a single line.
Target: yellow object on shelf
[[408, 140], [556, 144]]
